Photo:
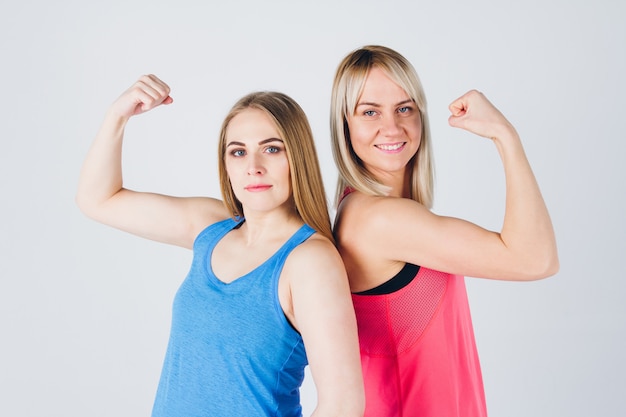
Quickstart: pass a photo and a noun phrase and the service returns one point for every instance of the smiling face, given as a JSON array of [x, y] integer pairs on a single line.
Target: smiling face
[[385, 129], [256, 162]]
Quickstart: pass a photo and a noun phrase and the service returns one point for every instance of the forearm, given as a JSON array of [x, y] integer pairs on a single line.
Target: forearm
[[101, 174], [527, 230]]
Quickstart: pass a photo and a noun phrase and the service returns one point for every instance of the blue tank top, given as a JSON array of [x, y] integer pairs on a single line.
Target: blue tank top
[[231, 351]]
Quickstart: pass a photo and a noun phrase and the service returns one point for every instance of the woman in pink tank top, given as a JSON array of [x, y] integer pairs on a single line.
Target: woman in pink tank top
[[406, 265]]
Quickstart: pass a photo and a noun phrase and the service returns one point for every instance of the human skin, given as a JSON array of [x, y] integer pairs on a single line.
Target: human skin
[[313, 274], [378, 235]]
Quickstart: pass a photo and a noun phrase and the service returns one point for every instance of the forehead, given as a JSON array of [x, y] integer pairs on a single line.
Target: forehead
[[251, 125], [379, 88]]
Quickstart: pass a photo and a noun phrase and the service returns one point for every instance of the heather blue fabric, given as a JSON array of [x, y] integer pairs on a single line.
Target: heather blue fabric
[[231, 351]]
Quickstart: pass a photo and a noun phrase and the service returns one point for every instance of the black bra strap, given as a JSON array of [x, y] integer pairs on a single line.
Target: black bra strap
[[397, 282]]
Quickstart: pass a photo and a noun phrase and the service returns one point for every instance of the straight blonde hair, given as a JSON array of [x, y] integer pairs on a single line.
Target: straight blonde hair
[[347, 88], [306, 179]]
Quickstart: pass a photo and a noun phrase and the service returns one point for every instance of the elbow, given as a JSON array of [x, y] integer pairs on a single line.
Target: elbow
[[94, 204], [80, 202], [87, 205], [543, 266], [552, 267], [84, 205]]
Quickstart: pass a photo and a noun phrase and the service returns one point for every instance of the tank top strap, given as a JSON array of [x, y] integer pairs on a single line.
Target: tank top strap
[[345, 193], [277, 261], [302, 234]]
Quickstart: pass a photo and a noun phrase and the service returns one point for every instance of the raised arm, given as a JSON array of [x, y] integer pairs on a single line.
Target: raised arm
[[321, 309], [101, 194], [405, 231], [527, 233]]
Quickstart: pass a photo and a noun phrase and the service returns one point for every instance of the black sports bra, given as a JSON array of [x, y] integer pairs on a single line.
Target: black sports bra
[[395, 283]]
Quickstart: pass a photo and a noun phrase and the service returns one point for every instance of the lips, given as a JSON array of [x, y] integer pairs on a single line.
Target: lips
[[391, 147], [255, 188]]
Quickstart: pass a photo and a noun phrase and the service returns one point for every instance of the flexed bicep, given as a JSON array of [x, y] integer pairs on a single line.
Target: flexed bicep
[[101, 194]]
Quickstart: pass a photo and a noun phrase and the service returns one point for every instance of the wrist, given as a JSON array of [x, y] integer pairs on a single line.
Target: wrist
[[114, 118]]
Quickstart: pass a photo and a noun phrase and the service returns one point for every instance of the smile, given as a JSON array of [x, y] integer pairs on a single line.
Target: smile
[[391, 147]]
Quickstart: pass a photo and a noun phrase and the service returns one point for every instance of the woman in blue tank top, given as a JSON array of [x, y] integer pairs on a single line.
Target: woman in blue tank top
[[266, 281]]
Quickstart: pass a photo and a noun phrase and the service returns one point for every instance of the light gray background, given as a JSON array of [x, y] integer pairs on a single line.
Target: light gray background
[[85, 309]]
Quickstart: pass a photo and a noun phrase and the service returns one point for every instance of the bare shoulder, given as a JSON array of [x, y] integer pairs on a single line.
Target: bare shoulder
[[365, 216], [373, 233], [314, 251], [316, 257]]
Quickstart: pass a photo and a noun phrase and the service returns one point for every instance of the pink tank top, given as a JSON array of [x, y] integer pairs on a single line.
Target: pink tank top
[[418, 351]]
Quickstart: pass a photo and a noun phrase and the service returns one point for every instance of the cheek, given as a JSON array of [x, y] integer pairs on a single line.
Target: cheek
[[413, 128], [229, 169], [233, 172], [358, 131], [285, 171], [417, 126]]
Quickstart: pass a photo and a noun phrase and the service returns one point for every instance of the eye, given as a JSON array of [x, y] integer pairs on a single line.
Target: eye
[[405, 109], [369, 113], [272, 149], [237, 152]]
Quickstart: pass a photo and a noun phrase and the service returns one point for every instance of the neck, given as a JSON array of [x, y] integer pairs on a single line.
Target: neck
[[263, 227], [398, 182]]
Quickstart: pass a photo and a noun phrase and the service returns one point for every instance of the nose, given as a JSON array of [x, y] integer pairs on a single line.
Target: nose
[[255, 167], [390, 126]]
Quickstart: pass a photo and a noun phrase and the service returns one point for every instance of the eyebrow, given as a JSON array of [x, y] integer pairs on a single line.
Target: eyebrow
[[263, 142], [373, 104]]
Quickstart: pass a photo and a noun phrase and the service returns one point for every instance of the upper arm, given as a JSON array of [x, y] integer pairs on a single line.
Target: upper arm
[[324, 315], [404, 230], [167, 219]]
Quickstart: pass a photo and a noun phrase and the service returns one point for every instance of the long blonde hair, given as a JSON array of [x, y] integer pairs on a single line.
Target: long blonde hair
[[347, 88], [306, 179]]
